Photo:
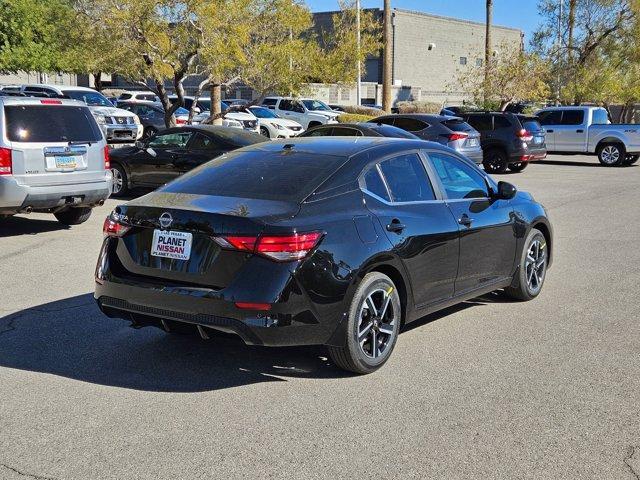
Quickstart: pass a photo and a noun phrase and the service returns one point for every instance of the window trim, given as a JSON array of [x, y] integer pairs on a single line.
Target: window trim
[[435, 186]]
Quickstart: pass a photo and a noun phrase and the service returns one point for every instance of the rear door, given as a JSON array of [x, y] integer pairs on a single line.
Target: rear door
[[550, 120], [200, 149], [419, 225], [53, 143], [486, 225], [570, 135]]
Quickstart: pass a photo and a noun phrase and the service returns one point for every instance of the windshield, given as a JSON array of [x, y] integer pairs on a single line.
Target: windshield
[[262, 112], [316, 105], [93, 99]]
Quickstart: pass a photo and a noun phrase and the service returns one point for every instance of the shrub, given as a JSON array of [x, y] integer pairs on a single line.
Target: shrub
[[360, 110], [419, 107], [353, 118]]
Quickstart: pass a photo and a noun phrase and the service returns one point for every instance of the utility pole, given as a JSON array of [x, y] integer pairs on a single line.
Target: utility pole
[[359, 65], [386, 58], [487, 48], [558, 55]]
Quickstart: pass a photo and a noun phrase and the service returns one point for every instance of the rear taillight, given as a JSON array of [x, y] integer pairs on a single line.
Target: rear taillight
[[458, 136], [6, 163], [180, 121], [107, 160], [282, 248], [525, 135], [50, 101], [113, 228], [262, 307]]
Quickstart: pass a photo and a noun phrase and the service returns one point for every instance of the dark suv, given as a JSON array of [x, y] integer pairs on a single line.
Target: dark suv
[[450, 131], [508, 140]]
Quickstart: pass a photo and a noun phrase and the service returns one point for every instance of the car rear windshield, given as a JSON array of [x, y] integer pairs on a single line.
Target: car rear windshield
[[531, 124], [49, 123], [457, 125], [281, 176]]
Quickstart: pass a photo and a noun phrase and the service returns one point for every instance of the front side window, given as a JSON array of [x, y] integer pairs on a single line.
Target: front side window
[[316, 105], [286, 105], [407, 179], [202, 142], [459, 179], [170, 140]]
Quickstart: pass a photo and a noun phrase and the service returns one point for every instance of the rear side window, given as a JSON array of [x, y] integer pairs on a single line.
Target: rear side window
[[384, 120], [572, 117], [500, 122], [407, 179], [270, 102], [374, 184], [457, 125], [482, 123], [283, 175], [550, 117], [391, 131], [410, 124], [346, 132], [48, 123], [319, 132]]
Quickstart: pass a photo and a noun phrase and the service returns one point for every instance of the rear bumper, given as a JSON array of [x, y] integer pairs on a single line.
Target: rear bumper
[[473, 155], [15, 197]]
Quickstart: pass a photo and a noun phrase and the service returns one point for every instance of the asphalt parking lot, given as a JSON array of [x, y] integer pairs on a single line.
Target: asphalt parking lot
[[489, 389]]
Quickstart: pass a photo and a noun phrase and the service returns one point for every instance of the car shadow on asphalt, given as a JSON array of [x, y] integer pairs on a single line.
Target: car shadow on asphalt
[[16, 226], [568, 163], [73, 339]]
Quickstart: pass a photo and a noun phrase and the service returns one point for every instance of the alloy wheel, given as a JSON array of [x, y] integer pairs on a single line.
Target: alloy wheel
[[535, 265], [118, 181], [610, 154], [376, 323]]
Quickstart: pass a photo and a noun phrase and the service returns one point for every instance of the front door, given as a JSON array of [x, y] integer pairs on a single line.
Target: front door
[[155, 165], [419, 225], [486, 225]]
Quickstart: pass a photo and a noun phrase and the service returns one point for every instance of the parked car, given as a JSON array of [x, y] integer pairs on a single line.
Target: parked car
[[236, 102], [450, 131], [272, 126], [138, 96], [509, 141], [53, 159], [202, 104], [364, 129], [170, 153], [307, 112], [331, 241], [581, 130], [235, 117], [117, 125], [152, 115]]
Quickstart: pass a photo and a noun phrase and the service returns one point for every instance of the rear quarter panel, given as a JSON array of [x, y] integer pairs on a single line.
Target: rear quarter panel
[[628, 134]]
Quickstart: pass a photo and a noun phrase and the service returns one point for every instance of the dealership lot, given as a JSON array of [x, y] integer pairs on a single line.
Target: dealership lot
[[489, 389]]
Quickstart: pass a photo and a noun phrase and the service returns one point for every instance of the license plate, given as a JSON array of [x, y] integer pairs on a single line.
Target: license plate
[[70, 161], [167, 244], [473, 142]]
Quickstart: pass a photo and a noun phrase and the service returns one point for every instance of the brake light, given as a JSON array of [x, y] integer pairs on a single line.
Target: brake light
[[180, 121], [51, 101], [281, 248], [107, 160], [525, 135], [112, 228], [526, 158], [6, 163], [263, 307], [458, 136]]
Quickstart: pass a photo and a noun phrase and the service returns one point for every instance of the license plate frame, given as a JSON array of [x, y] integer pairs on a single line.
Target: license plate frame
[[474, 142], [172, 244]]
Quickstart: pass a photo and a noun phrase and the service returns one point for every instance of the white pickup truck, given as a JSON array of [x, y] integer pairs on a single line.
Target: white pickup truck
[[579, 130]]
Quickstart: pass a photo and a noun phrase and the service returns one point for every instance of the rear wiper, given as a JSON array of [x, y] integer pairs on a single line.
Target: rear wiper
[[78, 142]]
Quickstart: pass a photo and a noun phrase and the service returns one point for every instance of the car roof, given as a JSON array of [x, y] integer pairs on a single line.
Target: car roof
[[61, 88], [12, 100], [572, 107], [420, 116]]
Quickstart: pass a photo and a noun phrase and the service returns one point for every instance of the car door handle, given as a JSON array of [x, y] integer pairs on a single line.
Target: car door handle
[[579, 131], [395, 226], [548, 131], [465, 220]]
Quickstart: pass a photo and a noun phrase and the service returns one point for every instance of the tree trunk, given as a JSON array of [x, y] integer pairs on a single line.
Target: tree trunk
[[572, 23], [387, 58], [97, 81], [488, 54], [216, 103], [167, 106], [196, 97]]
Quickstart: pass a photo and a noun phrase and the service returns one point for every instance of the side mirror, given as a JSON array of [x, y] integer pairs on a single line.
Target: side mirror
[[506, 191]]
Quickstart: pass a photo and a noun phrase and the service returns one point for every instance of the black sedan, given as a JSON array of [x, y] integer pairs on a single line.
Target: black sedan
[[172, 152], [330, 241], [364, 129]]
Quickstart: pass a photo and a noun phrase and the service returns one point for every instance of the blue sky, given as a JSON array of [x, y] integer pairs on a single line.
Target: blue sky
[[521, 14]]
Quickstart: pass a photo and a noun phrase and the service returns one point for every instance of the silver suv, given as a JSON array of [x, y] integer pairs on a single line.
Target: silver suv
[[53, 158]]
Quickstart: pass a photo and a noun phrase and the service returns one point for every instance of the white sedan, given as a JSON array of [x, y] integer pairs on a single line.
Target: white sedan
[[272, 126]]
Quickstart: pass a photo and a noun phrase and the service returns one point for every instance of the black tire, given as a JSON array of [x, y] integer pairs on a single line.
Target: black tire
[[631, 159], [120, 181], [73, 215], [264, 131], [518, 167], [524, 287], [148, 132], [495, 161], [360, 357], [611, 154]]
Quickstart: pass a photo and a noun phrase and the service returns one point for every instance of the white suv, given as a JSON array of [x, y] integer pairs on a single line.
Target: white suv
[[306, 111], [117, 125], [53, 159]]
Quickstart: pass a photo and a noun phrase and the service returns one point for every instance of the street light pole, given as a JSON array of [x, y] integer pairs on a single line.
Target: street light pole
[[558, 53], [359, 66]]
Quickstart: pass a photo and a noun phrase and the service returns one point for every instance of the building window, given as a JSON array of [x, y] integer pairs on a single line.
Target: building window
[[463, 60], [478, 62]]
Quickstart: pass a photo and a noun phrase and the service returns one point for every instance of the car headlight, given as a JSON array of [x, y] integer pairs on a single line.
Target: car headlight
[[278, 127], [101, 119]]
